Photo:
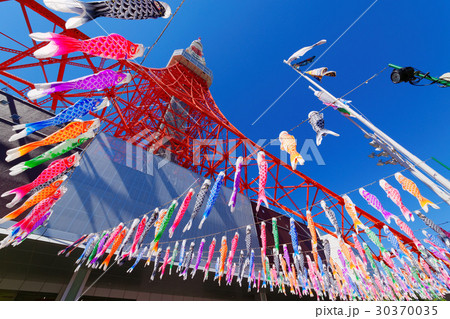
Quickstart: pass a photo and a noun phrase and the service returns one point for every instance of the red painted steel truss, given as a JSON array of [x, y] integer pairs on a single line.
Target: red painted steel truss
[[196, 135]]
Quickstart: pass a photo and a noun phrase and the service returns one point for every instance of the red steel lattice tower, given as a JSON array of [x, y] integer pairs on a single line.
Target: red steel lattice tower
[[171, 111]]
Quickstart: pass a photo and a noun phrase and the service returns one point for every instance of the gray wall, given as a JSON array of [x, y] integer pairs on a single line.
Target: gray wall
[[117, 182]]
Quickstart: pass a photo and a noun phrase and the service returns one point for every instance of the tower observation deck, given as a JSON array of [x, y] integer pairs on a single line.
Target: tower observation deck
[[193, 59]]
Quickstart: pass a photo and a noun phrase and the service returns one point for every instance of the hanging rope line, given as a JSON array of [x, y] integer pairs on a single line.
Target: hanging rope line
[[162, 32], [306, 120], [96, 280], [256, 261], [72, 170], [343, 33], [290, 86], [281, 215], [264, 146], [258, 222]]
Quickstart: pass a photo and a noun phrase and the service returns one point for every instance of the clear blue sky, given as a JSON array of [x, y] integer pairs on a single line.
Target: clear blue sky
[[245, 43]]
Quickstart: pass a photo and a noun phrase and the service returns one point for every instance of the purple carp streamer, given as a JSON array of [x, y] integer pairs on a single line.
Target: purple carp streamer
[[394, 195], [97, 81], [199, 257], [237, 181], [373, 201]]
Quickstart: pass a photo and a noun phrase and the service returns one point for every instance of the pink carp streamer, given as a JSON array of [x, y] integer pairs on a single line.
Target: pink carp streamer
[[212, 246], [359, 248], [184, 206], [35, 199], [113, 46], [137, 237], [166, 261], [55, 168], [35, 219], [394, 195], [262, 167], [408, 231], [232, 252]]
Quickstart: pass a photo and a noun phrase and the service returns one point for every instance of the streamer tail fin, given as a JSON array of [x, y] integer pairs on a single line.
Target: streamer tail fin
[[29, 128], [17, 152], [323, 132], [58, 44], [19, 193], [296, 158], [86, 11], [43, 89], [425, 202]]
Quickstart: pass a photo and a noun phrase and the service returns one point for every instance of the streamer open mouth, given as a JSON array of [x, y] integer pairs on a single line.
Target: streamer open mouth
[[167, 9]]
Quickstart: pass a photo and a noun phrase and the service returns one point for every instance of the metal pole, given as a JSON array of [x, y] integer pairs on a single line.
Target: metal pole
[[415, 160], [76, 284], [406, 164]]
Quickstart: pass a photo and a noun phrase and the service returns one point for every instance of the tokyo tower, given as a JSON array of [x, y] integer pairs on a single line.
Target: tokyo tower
[[170, 111]]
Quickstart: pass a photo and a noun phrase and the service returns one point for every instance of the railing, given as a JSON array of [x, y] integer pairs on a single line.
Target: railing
[[191, 59]]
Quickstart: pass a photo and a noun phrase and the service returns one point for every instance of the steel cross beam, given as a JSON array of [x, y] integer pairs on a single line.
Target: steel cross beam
[[145, 105]]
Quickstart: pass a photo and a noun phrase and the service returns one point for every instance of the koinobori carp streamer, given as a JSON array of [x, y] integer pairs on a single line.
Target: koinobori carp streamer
[[113, 46], [262, 167], [97, 81], [55, 168], [118, 9], [76, 111]]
